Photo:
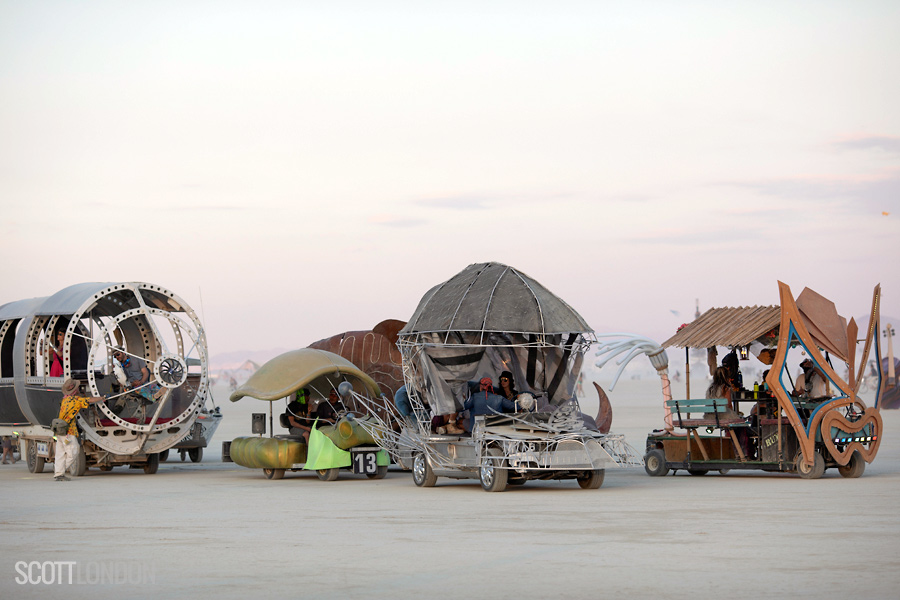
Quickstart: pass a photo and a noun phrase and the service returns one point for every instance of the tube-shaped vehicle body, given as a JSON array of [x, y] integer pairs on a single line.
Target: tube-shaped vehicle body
[[76, 333]]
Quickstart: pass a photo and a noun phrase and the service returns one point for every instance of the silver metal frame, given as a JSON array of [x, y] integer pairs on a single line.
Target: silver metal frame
[[150, 322]]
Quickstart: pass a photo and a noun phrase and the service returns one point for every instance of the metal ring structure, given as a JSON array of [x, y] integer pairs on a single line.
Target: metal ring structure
[[147, 322], [169, 360]]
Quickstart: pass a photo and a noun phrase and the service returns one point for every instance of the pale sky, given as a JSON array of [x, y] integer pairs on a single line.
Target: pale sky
[[297, 169]]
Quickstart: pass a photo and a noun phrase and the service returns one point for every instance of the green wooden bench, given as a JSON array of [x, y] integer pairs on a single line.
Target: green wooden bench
[[713, 413]]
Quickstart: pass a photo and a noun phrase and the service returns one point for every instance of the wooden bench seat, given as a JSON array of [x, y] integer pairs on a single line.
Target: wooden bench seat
[[714, 414], [713, 411], [721, 422]]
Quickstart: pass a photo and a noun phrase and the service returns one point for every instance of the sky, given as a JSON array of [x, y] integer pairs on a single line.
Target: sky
[[293, 170]]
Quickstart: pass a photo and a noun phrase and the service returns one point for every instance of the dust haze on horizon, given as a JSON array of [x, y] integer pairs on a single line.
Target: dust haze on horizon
[[293, 171]]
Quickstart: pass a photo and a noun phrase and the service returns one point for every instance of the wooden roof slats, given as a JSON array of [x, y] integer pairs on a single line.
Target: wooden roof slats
[[727, 327]]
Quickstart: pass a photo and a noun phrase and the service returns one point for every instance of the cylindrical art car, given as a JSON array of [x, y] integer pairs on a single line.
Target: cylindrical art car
[[95, 333]]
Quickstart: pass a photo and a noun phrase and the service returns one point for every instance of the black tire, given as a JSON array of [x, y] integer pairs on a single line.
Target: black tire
[[79, 465], [423, 476], [328, 474], [814, 472], [492, 473], [655, 463], [592, 480], [698, 472], [380, 472], [35, 463], [196, 454], [855, 468], [152, 465], [274, 473], [511, 480], [164, 456]]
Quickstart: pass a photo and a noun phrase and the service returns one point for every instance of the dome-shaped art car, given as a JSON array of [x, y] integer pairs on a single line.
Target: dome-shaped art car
[[487, 322], [78, 333], [327, 400]]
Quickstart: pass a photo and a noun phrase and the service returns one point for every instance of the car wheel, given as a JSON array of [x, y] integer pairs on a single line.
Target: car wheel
[[79, 465], [380, 472], [273, 473], [591, 480], [655, 463], [855, 468], [152, 465], [196, 454], [813, 472], [492, 474], [328, 474], [35, 463], [423, 476]]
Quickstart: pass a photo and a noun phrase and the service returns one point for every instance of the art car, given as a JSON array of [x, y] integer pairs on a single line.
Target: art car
[[86, 332], [456, 417], [800, 417], [325, 398]]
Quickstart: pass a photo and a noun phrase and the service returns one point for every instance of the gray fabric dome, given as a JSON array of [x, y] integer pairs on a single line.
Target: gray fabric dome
[[493, 297]]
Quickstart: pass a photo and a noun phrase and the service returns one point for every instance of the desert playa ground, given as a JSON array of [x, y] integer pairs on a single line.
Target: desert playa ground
[[218, 530]]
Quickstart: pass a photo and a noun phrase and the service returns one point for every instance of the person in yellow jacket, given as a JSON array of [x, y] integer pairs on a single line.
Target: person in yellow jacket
[[67, 445]]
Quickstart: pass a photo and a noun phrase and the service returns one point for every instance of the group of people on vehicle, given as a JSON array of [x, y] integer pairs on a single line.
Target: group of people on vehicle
[[300, 417], [483, 399], [727, 383]]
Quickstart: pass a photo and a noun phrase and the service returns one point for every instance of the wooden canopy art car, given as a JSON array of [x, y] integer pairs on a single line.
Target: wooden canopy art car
[[788, 427]]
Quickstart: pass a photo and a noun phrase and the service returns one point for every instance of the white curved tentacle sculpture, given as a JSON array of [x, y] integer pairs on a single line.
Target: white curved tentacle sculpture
[[634, 345]]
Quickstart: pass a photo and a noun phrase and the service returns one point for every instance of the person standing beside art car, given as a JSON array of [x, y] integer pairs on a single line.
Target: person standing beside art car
[[8, 450], [66, 431]]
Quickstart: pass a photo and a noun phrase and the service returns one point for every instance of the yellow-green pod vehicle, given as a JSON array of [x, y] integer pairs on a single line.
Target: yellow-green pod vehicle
[[321, 419]]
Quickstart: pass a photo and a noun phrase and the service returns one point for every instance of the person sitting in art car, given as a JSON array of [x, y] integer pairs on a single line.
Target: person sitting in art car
[[507, 387], [721, 387], [327, 411], [137, 375], [812, 383], [767, 405], [402, 403], [296, 415], [485, 402], [731, 364]]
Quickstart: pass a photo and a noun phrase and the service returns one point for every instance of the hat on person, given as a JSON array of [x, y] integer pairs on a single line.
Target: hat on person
[[69, 387], [806, 361], [506, 374], [486, 383]]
